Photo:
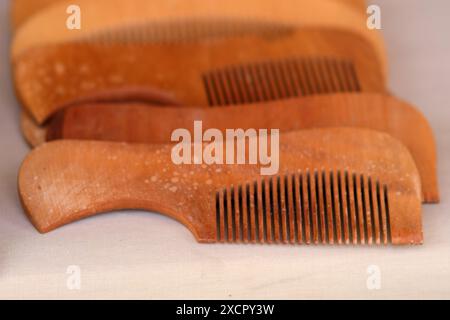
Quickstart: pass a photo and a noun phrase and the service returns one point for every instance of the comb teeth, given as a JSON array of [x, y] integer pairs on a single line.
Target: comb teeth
[[183, 31], [274, 80], [305, 208]]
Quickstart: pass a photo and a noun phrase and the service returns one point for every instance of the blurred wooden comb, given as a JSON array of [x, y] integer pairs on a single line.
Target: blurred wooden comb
[[120, 20], [22, 10], [144, 123], [237, 70]]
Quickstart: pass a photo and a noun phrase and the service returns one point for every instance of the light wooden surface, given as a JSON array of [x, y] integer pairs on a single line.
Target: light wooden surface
[[142, 255]]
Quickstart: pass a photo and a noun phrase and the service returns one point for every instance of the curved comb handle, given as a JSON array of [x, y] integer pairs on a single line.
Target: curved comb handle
[[82, 179]]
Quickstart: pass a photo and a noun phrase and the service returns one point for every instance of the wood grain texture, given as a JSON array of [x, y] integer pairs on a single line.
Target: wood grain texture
[[64, 181], [313, 60], [143, 123], [48, 27]]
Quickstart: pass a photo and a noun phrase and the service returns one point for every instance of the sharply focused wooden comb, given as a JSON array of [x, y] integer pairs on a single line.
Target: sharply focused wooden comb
[[144, 123], [22, 10], [333, 186], [222, 72], [107, 17]]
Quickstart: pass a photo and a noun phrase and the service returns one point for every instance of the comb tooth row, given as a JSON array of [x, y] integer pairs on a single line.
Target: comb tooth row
[[305, 208], [281, 79], [185, 31]]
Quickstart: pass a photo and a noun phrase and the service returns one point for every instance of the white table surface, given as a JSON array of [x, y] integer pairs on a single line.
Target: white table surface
[[145, 255]]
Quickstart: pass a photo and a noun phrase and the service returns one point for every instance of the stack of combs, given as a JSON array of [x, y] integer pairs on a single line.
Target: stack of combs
[[100, 105]]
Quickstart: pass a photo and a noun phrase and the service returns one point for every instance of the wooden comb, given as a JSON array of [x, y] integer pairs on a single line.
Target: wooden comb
[[223, 72], [22, 10], [144, 123], [333, 186], [109, 16]]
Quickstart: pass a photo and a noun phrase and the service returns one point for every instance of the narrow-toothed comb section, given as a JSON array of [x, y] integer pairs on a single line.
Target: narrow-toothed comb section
[[320, 207], [274, 80], [183, 31]]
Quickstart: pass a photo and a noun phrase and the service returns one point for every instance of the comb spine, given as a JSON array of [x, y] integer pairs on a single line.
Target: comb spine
[[231, 86], [388, 214], [245, 214], [237, 214], [321, 62], [284, 209], [367, 213], [229, 215], [268, 76], [217, 81], [296, 77], [218, 218], [222, 223], [261, 84], [383, 215], [316, 84], [353, 77], [375, 214], [225, 88], [328, 198], [337, 65], [274, 212], [247, 81], [351, 208], [267, 212], [313, 210], [305, 206], [279, 81], [287, 79], [360, 208], [333, 81], [317, 76], [255, 207], [299, 209], [291, 208], [336, 207], [262, 209], [321, 207], [306, 78], [239, 85]]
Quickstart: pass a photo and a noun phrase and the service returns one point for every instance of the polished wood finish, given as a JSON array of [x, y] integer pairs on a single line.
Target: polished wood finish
[[336, 185], [312, 61]]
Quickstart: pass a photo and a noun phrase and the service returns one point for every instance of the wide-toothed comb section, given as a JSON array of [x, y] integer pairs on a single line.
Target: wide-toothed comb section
[[183, 31], [320, 207], [281, 79]]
